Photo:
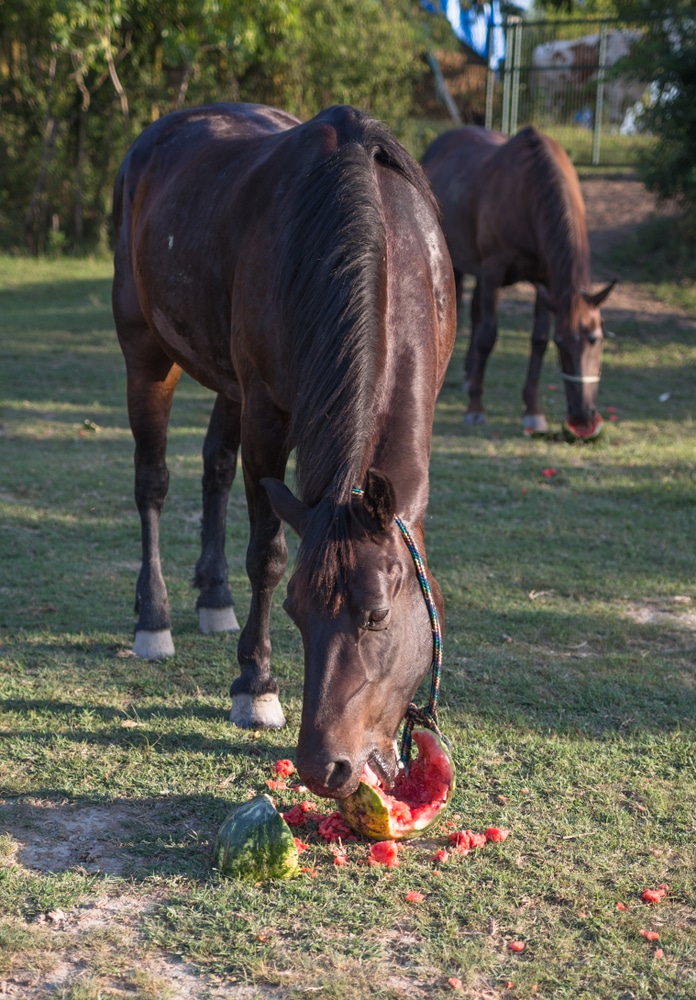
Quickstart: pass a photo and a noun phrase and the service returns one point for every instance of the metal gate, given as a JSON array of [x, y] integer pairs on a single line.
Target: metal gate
[[566, 78]]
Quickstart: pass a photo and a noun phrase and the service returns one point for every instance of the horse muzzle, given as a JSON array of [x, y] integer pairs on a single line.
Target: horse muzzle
[[333, 774], [581, 400]]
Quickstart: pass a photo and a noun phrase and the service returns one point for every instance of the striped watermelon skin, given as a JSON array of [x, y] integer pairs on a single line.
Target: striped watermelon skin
[[255, 842]]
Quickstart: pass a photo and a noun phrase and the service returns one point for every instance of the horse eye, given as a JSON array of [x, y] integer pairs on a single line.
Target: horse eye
[[377, 619]]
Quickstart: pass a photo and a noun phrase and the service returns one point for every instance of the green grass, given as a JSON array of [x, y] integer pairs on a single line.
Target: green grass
[[568, 691]]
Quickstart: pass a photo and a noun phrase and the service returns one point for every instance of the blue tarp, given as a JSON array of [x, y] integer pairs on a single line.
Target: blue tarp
[[480, 26]]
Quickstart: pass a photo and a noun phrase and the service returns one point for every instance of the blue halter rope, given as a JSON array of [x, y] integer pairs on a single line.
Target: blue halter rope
[[426, 717]]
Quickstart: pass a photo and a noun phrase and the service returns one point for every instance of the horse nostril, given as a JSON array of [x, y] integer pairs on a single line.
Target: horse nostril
[[338, 773]]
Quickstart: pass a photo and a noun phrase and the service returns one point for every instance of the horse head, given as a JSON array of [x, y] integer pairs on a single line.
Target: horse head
[[579, 334], [358, 604]]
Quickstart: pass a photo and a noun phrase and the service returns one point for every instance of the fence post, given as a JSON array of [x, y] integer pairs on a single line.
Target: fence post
[[599, 102], [516, 62], [507, 76], [490, 82]]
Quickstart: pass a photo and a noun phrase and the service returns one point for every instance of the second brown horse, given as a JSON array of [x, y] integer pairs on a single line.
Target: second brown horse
[[513, 211]]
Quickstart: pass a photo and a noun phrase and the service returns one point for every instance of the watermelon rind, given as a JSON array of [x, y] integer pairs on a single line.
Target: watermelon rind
[[572, 436], [255, 842], [367, 812]]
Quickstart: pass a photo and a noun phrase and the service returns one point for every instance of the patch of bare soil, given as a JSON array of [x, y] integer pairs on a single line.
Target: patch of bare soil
[[660, 612], [106, 931], [615, 206]]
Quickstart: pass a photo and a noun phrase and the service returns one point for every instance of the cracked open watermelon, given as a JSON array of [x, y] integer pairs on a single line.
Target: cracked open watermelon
[[584, 432], [256, 843], [415, 801]]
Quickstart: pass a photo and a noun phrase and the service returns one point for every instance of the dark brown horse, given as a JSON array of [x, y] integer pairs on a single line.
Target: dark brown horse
[[299, 272], [513, 211]]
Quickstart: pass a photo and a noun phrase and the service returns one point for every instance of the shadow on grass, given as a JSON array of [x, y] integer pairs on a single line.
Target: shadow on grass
[[128, 735]]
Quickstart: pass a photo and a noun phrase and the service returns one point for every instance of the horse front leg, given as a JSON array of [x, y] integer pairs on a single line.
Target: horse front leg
[[484, 331], [215, 605], [255, 702], [533, 419], [152, 378]]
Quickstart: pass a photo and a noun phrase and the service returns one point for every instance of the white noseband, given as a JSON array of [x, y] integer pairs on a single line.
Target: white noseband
[[580, 378]]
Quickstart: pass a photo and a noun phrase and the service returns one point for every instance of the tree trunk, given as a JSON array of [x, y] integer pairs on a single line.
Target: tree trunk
[[32, 219]]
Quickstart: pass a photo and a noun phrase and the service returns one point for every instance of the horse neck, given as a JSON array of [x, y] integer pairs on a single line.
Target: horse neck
[[568, 257], [403, 431], [388, 426], [559, 216]]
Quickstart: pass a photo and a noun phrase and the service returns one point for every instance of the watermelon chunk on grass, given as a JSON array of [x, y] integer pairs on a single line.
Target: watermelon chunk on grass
[[583, 432], [413, 804], [256, 843]]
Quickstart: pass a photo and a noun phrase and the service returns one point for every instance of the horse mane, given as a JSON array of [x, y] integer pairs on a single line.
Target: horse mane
[[333, 274], [562, 229]]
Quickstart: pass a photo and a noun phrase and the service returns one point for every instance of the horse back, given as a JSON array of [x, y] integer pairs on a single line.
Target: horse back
[[531, 215], [177, 216], [456, 164], [506, 202], [234, 224]]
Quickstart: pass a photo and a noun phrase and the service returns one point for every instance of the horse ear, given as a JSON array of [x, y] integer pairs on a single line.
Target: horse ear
[[286, 505], [379, 502], [599, 297]]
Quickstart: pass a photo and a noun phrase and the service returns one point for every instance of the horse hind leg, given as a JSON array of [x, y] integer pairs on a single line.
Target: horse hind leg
[[215, 605], [152, 378]]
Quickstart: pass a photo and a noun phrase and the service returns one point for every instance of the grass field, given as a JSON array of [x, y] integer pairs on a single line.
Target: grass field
[[569, 693]]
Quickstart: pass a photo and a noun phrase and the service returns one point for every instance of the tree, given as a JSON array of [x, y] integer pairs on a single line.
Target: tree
[[667, 56], [79, 78]]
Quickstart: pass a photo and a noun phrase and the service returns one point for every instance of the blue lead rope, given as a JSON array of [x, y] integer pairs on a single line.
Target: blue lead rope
[[426, 717]]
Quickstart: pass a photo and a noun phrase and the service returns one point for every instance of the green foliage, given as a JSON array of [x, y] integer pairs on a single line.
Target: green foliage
[[574, 9], [667, 56], [80, 78], [361, 52]]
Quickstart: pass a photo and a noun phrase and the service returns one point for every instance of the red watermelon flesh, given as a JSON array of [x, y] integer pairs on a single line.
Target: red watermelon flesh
[[585, 432], [417, 798]]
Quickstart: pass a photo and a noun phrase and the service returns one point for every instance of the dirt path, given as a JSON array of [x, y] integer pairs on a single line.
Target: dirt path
[[615, 207]]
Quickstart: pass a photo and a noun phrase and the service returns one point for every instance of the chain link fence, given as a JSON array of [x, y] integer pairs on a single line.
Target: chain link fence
[[566, 77]]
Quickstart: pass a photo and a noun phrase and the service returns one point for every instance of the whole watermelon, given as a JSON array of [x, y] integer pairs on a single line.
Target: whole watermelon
[[256, 843], [413, 804]]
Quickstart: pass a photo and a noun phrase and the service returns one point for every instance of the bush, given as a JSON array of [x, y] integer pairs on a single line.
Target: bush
[[79, 80], [667, 57]]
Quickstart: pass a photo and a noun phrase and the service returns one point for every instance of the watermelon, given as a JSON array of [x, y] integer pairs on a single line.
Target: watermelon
[[583, 432], [413, 804], [256, 843]]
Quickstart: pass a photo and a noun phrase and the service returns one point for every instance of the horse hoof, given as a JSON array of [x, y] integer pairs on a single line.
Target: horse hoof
[[262, 711], [217, 620], [535, 423], [475, 419], [153, 645]]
